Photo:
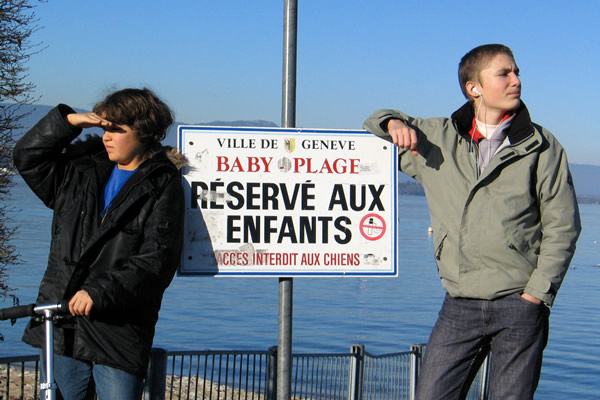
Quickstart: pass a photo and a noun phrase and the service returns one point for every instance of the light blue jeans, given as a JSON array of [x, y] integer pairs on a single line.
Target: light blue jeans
[[80, 380], [514, 330]]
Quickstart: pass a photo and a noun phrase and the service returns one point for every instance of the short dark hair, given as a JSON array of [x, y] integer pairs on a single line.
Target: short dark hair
[[476, 60], [141, 110]]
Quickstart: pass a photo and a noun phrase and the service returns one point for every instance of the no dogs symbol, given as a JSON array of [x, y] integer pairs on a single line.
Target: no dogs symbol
[[372, 226]]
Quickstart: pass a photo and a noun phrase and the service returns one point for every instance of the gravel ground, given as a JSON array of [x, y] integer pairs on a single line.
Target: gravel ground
[[183, 388]]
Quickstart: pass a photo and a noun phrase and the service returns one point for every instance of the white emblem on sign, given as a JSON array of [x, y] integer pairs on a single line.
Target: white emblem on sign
[[284, 164]]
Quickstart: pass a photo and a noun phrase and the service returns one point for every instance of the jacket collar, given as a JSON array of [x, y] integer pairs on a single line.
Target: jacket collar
[[144, 173], [520, 129]]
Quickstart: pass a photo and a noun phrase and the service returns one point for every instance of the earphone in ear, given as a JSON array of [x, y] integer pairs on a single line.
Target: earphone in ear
[[477, 91]]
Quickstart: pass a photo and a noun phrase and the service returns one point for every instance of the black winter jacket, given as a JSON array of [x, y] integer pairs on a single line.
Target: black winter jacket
[[124, 262]]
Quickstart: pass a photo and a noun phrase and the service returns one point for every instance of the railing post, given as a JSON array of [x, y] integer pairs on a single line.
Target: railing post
[[357, 372], [484, 374], [272, 374], [416, 359], [156, 380]]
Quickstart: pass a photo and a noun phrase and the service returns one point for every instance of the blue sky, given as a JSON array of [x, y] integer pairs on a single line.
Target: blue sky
[[222, 60]]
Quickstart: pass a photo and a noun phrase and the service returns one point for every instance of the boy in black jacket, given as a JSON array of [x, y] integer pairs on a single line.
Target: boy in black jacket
[[117, 235]]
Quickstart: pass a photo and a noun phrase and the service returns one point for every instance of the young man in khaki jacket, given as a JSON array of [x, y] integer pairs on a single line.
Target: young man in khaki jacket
[[505, 220]]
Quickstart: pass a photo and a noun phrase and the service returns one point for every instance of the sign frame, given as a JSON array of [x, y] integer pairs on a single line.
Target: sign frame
[[188, 139]]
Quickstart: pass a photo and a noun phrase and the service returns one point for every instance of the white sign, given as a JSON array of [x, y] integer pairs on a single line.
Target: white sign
[[288, 202]]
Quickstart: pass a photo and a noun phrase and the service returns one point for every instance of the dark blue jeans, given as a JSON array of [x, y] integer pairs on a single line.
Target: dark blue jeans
[[79, 380], [514, 330]]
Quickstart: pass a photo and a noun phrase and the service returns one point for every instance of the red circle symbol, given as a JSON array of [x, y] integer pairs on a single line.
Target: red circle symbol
[[372, 226]]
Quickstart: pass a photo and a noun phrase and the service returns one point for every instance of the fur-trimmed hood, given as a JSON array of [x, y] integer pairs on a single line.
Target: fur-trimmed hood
[[178, 159]]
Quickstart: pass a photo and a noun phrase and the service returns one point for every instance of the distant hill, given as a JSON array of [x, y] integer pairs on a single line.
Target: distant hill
[[34, 114], [587, 180], [37, 111], [586, 177], [257, 122], [171, 139]]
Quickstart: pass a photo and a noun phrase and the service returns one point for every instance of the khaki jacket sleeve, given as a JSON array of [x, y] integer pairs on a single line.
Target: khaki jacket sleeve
[[377, 122], [561, 224]]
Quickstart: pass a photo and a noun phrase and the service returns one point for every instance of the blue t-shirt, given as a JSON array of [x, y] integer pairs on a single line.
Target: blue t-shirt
[[116, 181]]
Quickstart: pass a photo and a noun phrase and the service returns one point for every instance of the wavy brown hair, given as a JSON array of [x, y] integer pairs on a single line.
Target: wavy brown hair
[[141, 110]]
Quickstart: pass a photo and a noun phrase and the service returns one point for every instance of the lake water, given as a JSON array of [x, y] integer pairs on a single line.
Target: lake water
[[330, 314]]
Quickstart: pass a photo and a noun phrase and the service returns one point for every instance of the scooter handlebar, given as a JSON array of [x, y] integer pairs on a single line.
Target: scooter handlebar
[[17, 312], [57, 308], [30, 310]]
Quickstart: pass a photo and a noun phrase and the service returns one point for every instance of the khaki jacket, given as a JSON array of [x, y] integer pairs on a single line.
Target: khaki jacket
[[513, 228]]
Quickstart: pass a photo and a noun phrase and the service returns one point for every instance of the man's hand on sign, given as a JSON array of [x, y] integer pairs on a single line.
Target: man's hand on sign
[[403, 135]]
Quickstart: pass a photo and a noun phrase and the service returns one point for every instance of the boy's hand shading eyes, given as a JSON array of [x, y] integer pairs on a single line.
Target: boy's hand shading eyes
[[88, 120]]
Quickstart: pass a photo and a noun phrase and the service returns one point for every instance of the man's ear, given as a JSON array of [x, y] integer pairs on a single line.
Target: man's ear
[[472, 89]]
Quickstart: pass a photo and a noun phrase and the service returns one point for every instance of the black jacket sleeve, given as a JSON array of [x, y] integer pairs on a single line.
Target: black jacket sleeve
[[38, 155]]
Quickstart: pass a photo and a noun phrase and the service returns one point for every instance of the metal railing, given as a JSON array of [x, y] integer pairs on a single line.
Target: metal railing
[[321, 376], [388, 376], [251, 375], [210, 375], [19, 377]]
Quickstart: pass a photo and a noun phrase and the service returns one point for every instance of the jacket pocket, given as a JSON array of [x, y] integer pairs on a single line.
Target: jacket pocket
[[438, 240], [520, 254]]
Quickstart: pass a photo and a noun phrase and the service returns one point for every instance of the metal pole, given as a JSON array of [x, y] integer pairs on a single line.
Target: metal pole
[[416, 359], [49, 386], [290, 23], [288, 120], [284, 347], [156, 377], [484, 379], [357, 372], [271, 389]]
